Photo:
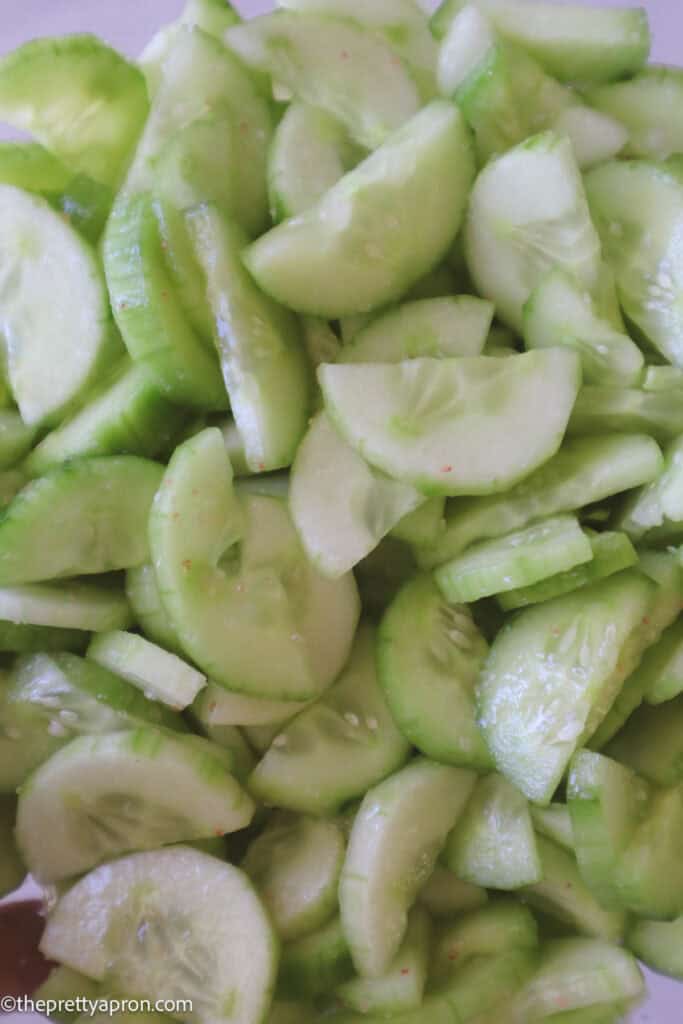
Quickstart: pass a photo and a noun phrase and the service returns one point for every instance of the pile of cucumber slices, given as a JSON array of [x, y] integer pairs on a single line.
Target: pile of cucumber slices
[[341, 475]]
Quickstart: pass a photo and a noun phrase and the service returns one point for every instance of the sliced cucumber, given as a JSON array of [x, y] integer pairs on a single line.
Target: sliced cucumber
[[42, 255], [259, 346], [659, 944], [78, 97], [199, 165], [559, 312], [441, 424], [445, 895], [520, 559], [349, 72], [551, 673], [217, 706], [81, 606], [12, 869], [101, 796], [142, 591], [310, 152], [23, 639], [248, 608], [335, 750], [401, 988], [86, 204], [466, 42], [295, 865], [440, 327], [218, 945], [85, 517], [424, 525], [320, 341], [583, 472], [646, 104], [344, 256], [554, 822], [429, 657], [63, 984], [29, 166], [659, 506], [650, 878], [662, 378], [600, 410], [15, 438], [395, 840], [595, 136], [651, 743], [160, 675], [180, 261], [498, 928], [315, 964], [612, 552], [665, 666], [341, 506], [528, 214]]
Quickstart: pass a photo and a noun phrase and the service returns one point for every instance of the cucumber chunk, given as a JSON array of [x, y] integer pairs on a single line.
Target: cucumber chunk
[[64, 984], [341, 507], [22, 639], [258, 343], [584, 471], [559, 312], [12, 869], [599, 410], [85, 517], [42, 255], [148, 312], [335, 750], [651, 743], [198, 165], [160, 675], [498, 928], [248, 608], [101, 796], [29, 166], [295, 865], [180, 261], [311, 150], [637, 208], [429, 657], [441, 424], [344, 256], [552, 676], [659, 944], [79, 98], [612, 552], [401, 988], [217, 942], [315, 964], [142, 591], [665, 666], [520, 559], [444, 895], [337, 65], [493, 843], [527, 215], [15, 438], [217, 706], [436, 328], [657, 507], [647, 105], [662, 378], [465, 44], [395, 840], [595, 136], [424, 525], [80, 606], [554, 822]]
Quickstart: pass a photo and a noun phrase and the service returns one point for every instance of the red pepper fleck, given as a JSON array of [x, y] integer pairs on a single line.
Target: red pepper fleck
[[646, 620], [405, 970], [244, 128], [344, 55], [261, 467], [123, 305], [218, 832], [186, 563], [446, 469], [212, 705]]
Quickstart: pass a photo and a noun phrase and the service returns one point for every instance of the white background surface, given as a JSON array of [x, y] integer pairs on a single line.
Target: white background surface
[[128, 25]]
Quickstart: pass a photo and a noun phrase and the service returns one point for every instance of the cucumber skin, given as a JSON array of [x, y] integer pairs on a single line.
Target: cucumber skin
[[659, 944]]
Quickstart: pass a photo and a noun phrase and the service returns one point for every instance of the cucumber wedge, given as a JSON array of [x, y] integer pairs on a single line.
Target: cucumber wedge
[[142, 591], [101, 796], [527, 215], [18, 639], [160, 675], [216, 706], [247, 607], [83, 606], [12, 869], [424, 525], [646, 104], [336, 749], [217, 942], [657, 509], [395, 840], [315, 964], [651, 743], [554, 822], [466, 42], [659, 944], [599, 410], [429, 657], [344, 256], [445, 895], [258, 343], [662, 378], [85, 517], [441, 424], [29, 166], [79, 98], [498, 928]]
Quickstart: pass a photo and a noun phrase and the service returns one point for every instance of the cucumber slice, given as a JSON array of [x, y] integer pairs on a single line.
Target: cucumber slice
[[335, 750], [80, 606], [401, 988], [142, 591], [18, 639], [295, 865], [42, 534], [563, 895], [554, 822], [15, 438], [148, 312], [437, 328], [662, 378], [321, 343], [560, 312], [337, 65], [128, 414], [184, 272], [599, 410], [659, 944], [646, 104], [12, 869], [160, 675], [637, 208], [79, 98], [499, 928], [527, 215], [595, 136], [583, 472], [344, 256], [248, 608], [315, 964], [574, 43], [665, 666], [493, 843], [659, 506], [395, 840], [86, 204], [311, 150], [445, 895], [520, 559], [217, 942], [42, 255], [553, 674], [650, 878], [651, 743], [259, 346], [465, 44], [429, 657], [29, 166], [441, 424], [217, 706], [63, 984], [198, 165], [612, 552], [233, 741], [424, 525], [101, 796], [341, 507]]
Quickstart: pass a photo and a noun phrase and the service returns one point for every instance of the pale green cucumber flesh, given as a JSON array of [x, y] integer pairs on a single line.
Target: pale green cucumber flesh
[[159, 674]]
